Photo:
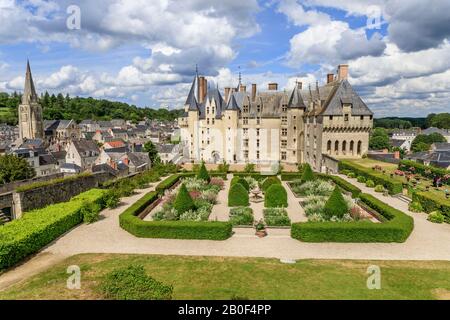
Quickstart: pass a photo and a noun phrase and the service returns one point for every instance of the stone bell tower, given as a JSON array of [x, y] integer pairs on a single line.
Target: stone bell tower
[[31, 123]]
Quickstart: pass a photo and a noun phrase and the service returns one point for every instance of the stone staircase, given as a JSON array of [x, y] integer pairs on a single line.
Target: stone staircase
[[3, 218], [403, 198]]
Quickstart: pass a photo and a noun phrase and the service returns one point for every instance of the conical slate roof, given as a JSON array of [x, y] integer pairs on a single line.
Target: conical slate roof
[[296, 100], [191, 100], [232, 104], [29, 93]]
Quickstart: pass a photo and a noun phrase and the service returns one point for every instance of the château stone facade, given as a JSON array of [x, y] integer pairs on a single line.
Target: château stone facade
[[264, 127]]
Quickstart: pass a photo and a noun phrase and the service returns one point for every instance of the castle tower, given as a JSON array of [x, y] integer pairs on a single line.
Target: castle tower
[[31, 124]]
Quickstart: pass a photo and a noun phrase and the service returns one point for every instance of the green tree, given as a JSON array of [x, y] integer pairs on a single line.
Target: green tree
[[152, 152], [183, 201], [308, 174], [336, 205], [379, 139], [423, 142], [238, 196], [203, 173], [13, 168]]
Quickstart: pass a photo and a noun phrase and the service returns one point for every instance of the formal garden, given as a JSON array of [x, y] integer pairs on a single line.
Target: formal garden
[[427, 187]]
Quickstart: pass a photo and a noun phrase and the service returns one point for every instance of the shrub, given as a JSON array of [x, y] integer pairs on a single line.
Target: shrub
[[313, 188], [415, 207], [217, 182], [291, 176], [203, 173], [397, 228], [90, 212], [276, 217], [343, 184], [244, 183], [37, 228], [308, 174], [132, 283], [336, 205], [276, 196], [351, 175], [238, 196], [112, 199], [431, 202], [168, 183], [393, 185], [379, 188], [241, 216], [249, 168], [361, 179], [183, 201], [436, 217], [424, 170], [370, 184], [269, 182]]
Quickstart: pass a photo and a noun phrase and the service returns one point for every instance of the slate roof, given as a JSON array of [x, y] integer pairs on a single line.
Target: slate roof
[[191, 101], [139, 159], [435, 130], [46, 159], [83, 146], [441, 146]]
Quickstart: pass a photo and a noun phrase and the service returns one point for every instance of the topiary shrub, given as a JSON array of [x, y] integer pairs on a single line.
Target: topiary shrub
[[361, 179], [415, 207], [183, 201], [436, 217], [238, 196], [308, 174], [269, 182], [132, 283], [203, 173], [244, 183], [370, 184], [336, 206], [276, 197], [379, 188]]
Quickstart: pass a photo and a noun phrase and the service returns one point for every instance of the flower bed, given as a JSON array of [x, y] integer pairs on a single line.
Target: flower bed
[[431, 203], [188, 225], [241, 216], [276, 217]]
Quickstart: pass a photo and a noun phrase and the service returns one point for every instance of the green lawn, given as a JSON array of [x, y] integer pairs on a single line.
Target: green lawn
[[369, 163], [224, 278]]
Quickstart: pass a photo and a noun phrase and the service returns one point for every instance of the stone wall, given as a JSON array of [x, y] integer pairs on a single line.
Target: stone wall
[[55, 193], [14, 185]]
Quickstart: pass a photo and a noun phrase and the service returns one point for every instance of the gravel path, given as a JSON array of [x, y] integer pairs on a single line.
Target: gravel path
[[427, 242]]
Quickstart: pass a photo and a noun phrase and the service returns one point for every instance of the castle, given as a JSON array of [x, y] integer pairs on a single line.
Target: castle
[[306, 125]]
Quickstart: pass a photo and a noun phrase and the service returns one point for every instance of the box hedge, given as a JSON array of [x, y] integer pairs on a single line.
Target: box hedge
[[130, 222], [276, 197], [170, 182], [397, 228], [270, 181], [431, 202], [38, 228], [238, 196], [391, 184], [291, 176], [426, 171], [256, 176], [343, 184]]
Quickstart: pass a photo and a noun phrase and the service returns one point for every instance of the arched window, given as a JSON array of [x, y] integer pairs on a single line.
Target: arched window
[[329, 147], [359, 147], [344, 147], [352, 147], [336, 148]]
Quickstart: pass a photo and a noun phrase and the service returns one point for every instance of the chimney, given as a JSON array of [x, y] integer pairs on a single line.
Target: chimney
[[254, 92], [397, 155], [202, 82], [343, 72], [227, 94], [273, 86], [242, 88], [330, 78]]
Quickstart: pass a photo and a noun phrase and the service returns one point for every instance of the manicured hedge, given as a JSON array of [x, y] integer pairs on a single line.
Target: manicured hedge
[[238, 196], [397, 228], [391, 184], [256, 176], [169, 182], [425, 171], [291, 176], [345, 185], [270, 182], [170, 229], [431, 203], [37, 228], [276, 197]]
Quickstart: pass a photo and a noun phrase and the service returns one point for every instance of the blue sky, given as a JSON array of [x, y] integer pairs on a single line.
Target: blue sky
[[145, 52]]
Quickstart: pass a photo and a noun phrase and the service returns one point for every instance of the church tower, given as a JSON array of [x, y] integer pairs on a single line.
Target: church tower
[[31, 124]]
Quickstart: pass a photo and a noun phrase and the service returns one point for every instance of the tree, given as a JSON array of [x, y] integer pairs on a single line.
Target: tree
[[423, 142], [183, 201], [203, 173], [379, 139], [336, 205], [13, 168], [441, 120], [249, 168], [152, 152], [308, 174]]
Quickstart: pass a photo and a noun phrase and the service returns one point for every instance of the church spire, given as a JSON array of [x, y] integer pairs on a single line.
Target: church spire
[[29, 92]]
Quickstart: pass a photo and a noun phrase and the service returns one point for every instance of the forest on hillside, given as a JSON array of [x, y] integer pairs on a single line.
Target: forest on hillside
[[440, 120], [65, 108]]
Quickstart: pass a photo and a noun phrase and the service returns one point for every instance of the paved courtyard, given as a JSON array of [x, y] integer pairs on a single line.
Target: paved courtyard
[[427, 242]]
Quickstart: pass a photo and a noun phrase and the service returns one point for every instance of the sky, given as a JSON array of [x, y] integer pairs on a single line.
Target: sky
[[145, 52]]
